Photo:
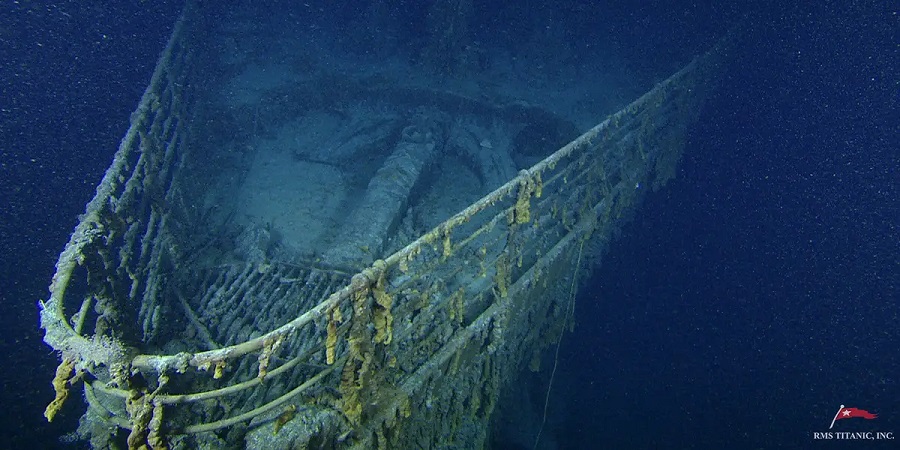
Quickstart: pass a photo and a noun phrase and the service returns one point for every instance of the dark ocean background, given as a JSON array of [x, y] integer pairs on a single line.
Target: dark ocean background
[[740, 307]]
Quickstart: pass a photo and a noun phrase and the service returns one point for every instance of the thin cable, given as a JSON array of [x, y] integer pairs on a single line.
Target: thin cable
[[569, 308]]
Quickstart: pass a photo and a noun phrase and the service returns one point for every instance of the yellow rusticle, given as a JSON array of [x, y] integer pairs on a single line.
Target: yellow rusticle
[[522, 210], [218, 370], [357, 369], [383, 326], [284, 418], [501, 277], [61, 386], [381, 312], [155, 437], [530, 185], [331, 338], [270, 346], [448, 247], [140, 408]]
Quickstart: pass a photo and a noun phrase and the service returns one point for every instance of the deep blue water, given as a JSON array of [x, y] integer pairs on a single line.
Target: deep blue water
[[740, 307], [758, 292]]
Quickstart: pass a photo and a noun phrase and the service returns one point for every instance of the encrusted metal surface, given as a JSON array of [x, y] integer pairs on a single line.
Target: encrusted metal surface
[[176, 330]]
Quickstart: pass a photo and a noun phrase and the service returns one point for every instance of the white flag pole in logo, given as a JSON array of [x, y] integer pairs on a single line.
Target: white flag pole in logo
[[836, 416]]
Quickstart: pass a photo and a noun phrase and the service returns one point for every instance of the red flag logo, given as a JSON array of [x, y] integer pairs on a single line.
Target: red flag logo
[[849, 413]]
